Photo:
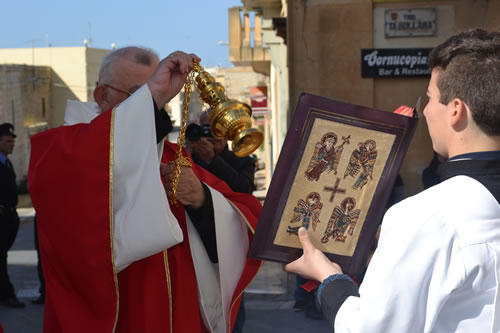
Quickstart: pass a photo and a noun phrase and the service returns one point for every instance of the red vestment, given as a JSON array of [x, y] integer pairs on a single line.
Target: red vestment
[[70, 182]]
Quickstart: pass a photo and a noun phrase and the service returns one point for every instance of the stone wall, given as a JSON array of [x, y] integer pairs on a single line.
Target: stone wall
[[325, 38], [25, 102]]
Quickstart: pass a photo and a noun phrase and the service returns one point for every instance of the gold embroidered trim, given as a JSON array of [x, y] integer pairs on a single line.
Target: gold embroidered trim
[[169, 286], [111, 215]]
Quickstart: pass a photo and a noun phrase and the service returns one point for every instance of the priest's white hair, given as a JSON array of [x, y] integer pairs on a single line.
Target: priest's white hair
[[138, 55]]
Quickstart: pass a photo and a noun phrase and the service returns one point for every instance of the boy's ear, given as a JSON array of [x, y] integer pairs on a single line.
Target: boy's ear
[[458, 112]]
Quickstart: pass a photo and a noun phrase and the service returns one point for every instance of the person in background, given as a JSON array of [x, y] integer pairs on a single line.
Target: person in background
[[9, 221], [214, 155], [41, 290]]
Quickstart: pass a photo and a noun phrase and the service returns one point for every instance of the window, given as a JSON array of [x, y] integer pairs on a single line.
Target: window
[[43, 108]]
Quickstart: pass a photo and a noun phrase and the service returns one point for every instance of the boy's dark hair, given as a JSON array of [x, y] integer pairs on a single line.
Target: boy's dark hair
[[469, 69]]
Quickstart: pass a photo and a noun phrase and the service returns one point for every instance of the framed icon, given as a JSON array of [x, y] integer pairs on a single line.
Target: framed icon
[[334, 177]]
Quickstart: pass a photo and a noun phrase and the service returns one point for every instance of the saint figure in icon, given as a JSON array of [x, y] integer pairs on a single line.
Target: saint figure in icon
[[361, 163], [307, 212], [342, 222], [326, 156]]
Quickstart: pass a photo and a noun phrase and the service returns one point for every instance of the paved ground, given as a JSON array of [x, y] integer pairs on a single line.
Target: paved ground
[[274, 314], [22, 270], [268, 303]]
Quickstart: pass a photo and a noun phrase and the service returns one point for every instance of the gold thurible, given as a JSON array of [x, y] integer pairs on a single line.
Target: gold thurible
[[229, 119]]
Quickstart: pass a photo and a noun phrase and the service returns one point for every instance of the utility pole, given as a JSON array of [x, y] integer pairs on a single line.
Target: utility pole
[[32, 41]]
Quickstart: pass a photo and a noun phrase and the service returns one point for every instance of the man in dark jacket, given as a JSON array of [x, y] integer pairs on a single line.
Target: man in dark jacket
[[9, 221], [213, 155]]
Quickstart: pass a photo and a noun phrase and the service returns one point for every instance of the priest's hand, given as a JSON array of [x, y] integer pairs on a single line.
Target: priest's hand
[[189, 189], [313, 264], [170, 75]]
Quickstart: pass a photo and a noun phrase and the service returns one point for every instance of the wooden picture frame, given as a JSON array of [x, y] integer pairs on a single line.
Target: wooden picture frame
[[335, 174]]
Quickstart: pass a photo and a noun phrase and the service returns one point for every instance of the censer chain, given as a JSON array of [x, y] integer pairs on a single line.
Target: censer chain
[[181, 161]]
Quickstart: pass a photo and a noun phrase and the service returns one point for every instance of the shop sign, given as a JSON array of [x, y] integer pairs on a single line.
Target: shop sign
[[394, 62], [413, 22], [258, 100]]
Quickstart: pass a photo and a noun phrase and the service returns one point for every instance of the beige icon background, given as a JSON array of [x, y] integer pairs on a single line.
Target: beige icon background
[[301, 186]]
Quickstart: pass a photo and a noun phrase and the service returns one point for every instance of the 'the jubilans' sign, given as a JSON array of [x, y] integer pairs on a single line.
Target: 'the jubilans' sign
[[416, 22], [394, 62]]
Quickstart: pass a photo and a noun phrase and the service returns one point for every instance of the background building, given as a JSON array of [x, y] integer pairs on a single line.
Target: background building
[[327, 40], [25, 98], [254, 41], [73, 73], [35, 85]]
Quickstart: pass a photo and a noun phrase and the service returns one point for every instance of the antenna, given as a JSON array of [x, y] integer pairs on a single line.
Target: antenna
[[89, 40], [32, 41]]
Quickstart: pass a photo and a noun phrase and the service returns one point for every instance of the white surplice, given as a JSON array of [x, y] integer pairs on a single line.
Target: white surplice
[[143, 221], [436, 268]]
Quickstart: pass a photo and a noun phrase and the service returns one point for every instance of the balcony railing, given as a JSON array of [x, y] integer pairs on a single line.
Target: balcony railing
[[245, 47]]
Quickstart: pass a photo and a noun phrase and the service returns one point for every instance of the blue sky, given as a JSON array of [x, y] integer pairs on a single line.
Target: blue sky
[[164, 26]]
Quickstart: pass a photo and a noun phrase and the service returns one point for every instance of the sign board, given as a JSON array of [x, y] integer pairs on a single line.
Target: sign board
[[394, 62], [258, 100], [416, 22]]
